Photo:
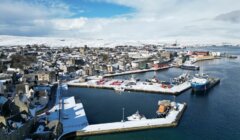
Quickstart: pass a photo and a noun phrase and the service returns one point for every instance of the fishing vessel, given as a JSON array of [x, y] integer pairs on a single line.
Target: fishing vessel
[[180, 79], [136, 117], [189, 66], [200, 82]]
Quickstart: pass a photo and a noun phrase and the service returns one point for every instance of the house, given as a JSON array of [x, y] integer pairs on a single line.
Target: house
[[139, 64], [202, 53], [159, 64], [110, 68], [166, 55], [88, 70], [24, 88], [5, 86], [75, 61], [17, 126], [46, 76], [29, 78]]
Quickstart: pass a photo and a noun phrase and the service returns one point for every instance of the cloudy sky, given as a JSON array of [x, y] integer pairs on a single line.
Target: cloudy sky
[[122, 19]]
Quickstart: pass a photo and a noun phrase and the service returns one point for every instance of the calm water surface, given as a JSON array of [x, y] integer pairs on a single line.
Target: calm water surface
[[214, 115]]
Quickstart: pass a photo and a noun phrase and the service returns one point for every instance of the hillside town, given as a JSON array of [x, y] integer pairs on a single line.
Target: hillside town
[[30, 75]]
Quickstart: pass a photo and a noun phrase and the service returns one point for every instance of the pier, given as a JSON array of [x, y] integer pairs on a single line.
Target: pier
[[140, 86], [171, 120], [75, 123], [203, 58], [136, 71]]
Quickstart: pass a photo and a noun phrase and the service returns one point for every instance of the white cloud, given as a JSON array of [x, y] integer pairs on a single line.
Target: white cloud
[[69, 24], [152, 19]]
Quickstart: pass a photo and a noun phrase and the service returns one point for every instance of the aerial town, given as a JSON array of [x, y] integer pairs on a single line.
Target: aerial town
[[32, 77]]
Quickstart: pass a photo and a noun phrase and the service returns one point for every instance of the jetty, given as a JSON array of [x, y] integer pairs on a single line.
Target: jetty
[[128, 85], [171, 120], [136, 71], [75, 123], [203, 58]]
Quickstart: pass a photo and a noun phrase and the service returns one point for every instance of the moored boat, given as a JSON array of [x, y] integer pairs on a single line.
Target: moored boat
[[200, 83], [119, 89], [189, 66], [136, 117]]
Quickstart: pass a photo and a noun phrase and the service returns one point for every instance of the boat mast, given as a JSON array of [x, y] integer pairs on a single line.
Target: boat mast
[[123, 114]]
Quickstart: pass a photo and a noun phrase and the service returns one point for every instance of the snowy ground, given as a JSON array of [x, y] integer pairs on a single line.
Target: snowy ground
[[170, 119], [70, 42], [78, 42], [73, 116], [140, 86]]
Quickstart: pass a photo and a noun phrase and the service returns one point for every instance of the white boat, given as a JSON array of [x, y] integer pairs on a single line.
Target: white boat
[[119, 89], [189, 66], [136, 117]]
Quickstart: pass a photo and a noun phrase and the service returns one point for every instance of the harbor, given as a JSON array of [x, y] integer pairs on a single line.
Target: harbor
[[67, 111], [133, 85], [82, 128], [171, 120], [68, 104]]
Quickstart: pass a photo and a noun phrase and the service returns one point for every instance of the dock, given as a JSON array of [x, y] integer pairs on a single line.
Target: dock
[[140, 86], [136, 71], [203, 58], [171, 120]]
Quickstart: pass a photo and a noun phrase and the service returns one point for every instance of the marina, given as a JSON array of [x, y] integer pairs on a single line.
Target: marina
[[129, 85], [68, 104], [66, 110], [119, 70], [171, 120]]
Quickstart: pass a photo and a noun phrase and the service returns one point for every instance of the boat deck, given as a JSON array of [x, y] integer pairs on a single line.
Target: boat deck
[[213, 82]]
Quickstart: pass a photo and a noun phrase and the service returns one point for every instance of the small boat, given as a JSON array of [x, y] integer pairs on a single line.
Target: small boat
[[180, 79], [136, 117], [232, 56], [189, 66], [119, 89], [153, 80], [200, 82]]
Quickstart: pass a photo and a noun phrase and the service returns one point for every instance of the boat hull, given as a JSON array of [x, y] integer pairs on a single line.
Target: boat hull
[[199, 87], [190, 67]]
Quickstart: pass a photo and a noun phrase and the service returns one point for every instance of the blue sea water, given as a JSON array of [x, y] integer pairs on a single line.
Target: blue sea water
[[214, 115]]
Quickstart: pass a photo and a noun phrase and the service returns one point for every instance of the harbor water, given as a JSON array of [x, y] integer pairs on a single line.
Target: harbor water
[[211, 115]]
